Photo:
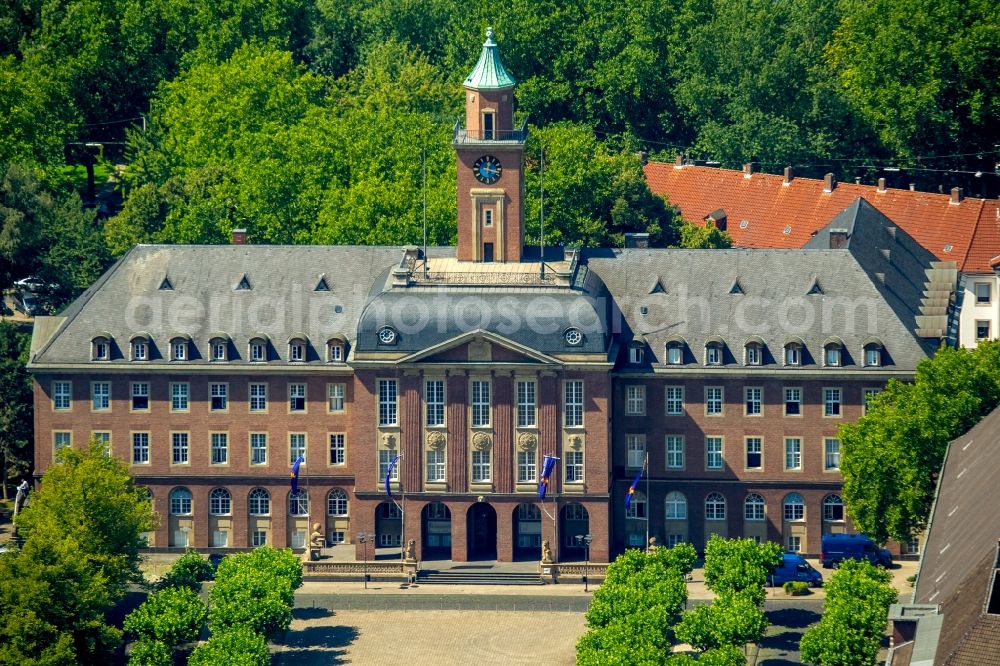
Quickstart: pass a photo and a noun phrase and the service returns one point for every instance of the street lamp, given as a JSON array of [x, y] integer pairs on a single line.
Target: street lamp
[[364, 539], [584, 540]]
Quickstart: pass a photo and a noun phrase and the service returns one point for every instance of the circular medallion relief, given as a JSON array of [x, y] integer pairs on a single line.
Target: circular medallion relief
[[436, 441], [481, 441], [389, 441], [527, 441]]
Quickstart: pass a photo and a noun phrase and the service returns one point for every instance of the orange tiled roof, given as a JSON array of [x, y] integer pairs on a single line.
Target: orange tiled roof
[[780, 216]]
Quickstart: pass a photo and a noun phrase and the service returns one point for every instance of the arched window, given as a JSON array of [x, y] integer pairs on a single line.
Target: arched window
[[140, 348], [793, 354], [258, 349], [179, 348], [675, 352], [754, 353], [297, 346], [100, 348], [753, 507], [298, 504], [260, 502], [873, 354], [713, 352], [676, 506], [335, 350], [180, 502], [637, 507], [715, 507], [336, 502], [833, 356], [795, 507], [833, 508], [219, 348], [220, 502]]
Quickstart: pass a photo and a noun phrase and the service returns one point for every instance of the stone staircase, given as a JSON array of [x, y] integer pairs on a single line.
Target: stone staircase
[[472, 575]]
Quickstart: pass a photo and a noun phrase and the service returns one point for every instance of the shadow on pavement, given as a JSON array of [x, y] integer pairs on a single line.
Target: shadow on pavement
[[310, 613], [792, 618], [782, 648], [313, 646]]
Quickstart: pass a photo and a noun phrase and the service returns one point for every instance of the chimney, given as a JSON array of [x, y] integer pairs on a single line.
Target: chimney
[[788, 176], [239, 236], [718, 218], [956, 196], [913, 187], [881, 184], [636, 241], [838, 239], [747, 170], [643, 157], [829, 182], [679, 161]]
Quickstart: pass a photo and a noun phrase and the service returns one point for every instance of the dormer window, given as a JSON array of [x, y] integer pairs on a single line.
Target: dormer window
[[635, 354], [335, 351], [793, 354], [100, 348], [833, 353], [713, 353], [675, 353], [258, 350], [140, 349], [178, 349], [754, 353], [873, 353], [219, 348], [297, 350]]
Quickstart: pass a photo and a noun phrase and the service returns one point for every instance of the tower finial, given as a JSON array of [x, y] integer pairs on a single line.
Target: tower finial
[[489, 38]]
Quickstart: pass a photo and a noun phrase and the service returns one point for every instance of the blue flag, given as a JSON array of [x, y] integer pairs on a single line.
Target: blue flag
[[295, 475], [543, 483], [388, 475], [631, 489]]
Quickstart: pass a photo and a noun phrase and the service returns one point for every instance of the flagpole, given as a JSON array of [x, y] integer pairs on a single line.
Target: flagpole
[[645, 463], [402, 514]]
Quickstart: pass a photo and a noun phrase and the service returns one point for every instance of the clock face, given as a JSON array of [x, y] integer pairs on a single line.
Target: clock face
[[487, 169]]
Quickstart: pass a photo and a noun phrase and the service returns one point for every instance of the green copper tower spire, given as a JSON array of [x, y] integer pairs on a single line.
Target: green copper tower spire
[[489, 72]]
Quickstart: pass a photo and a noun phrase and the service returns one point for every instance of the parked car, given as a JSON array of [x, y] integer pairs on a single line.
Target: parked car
[[839, 547], [27, 303], [33, 284], [795, 568]]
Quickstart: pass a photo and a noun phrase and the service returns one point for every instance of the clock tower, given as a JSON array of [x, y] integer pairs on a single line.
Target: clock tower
[[490, 159]]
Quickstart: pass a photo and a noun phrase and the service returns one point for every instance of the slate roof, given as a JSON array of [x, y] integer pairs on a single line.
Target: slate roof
[[970, 228], [489, 72]]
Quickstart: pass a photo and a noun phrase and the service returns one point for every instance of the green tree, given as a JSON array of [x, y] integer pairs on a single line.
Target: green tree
[[188, 571], [740, 566], [733, 619], [238, 646], [706, 236], [255, 590], [16, 404], [172, 616], [147, 652]]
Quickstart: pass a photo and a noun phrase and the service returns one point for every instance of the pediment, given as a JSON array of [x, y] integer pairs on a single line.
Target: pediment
[[479, 347]]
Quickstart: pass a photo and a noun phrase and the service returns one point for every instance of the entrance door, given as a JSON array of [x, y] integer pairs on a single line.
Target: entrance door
[[436, 522], [482, 526], [488, 126], [487, 251]]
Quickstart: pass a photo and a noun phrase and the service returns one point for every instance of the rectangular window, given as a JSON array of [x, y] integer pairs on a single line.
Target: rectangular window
[[62, 439], [574, 466], [635, 355], [385, 458], [138, 351], [259, 539], [387, 395], [831, 402], [297, 352], [335, 397], [573, 404], [180, 351], [140, 396], [982, 329], [794, 543], [675, 354], [258, 397], [635, 400], [220, 397], [435, 466], [296, 397], [105, 440], [793, 401], [755, 451], [219, 351], [793, 453], [179, 447], [179, 397], [675, 451], [480, 404], [713, 400], [336, 352], [713, 452], [488, 217], [753, 401], [754, 355], [831, 448], [526, 467], [481, 468], [220, 448], [61, 393], [140, 448], [713, 355], [434, 399], [983, 295], [296, 446], [257, 351], [636, 450], [100, 396], [869, 395], [337, 449], [675, 400], [526, 404], [258, 448]]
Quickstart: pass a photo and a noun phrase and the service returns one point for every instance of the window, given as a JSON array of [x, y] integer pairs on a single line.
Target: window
[[219, 348], [713, 400], [387, 392], [674, 540], [715, 507], [258, 448], [100, 349], [676, 506], [526, 404], [140, 350], [488, 217], [220, 502], [831, 402], [220, 397], [983, 295], [100, 396], [833, 508], [713, 452], [635, 400], [140, 448], [793, 354], [385, 458], [793, 453], [982, 329], [180, 502], [869, 395], [912, 547], [573, 404], [179, 397], [258, 350], [105, 439], [298, 504], [220, 448], [220, 539], [336, 503], [62, 439], [753, 507], [832, 356], [179, 447], [435, 466], [831, 450], [178, 350], [752, 400], [636, 446], [526, 467], [296, 397], [260, 502], [635, 354], [335, 397], [337, 450], [481, 466], [434, 399], [574, 466], [140, 396], [675, 400], [61, 394], [713, 354], [675, 353], [335, 351], [480, 404], [755, 355], [754, 452], [793, 401], [675, 451], [336, 536], [873, 355], [637, 507], [794, 507], [296, 446], [794, 544], [297, 351], [258, 397]]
